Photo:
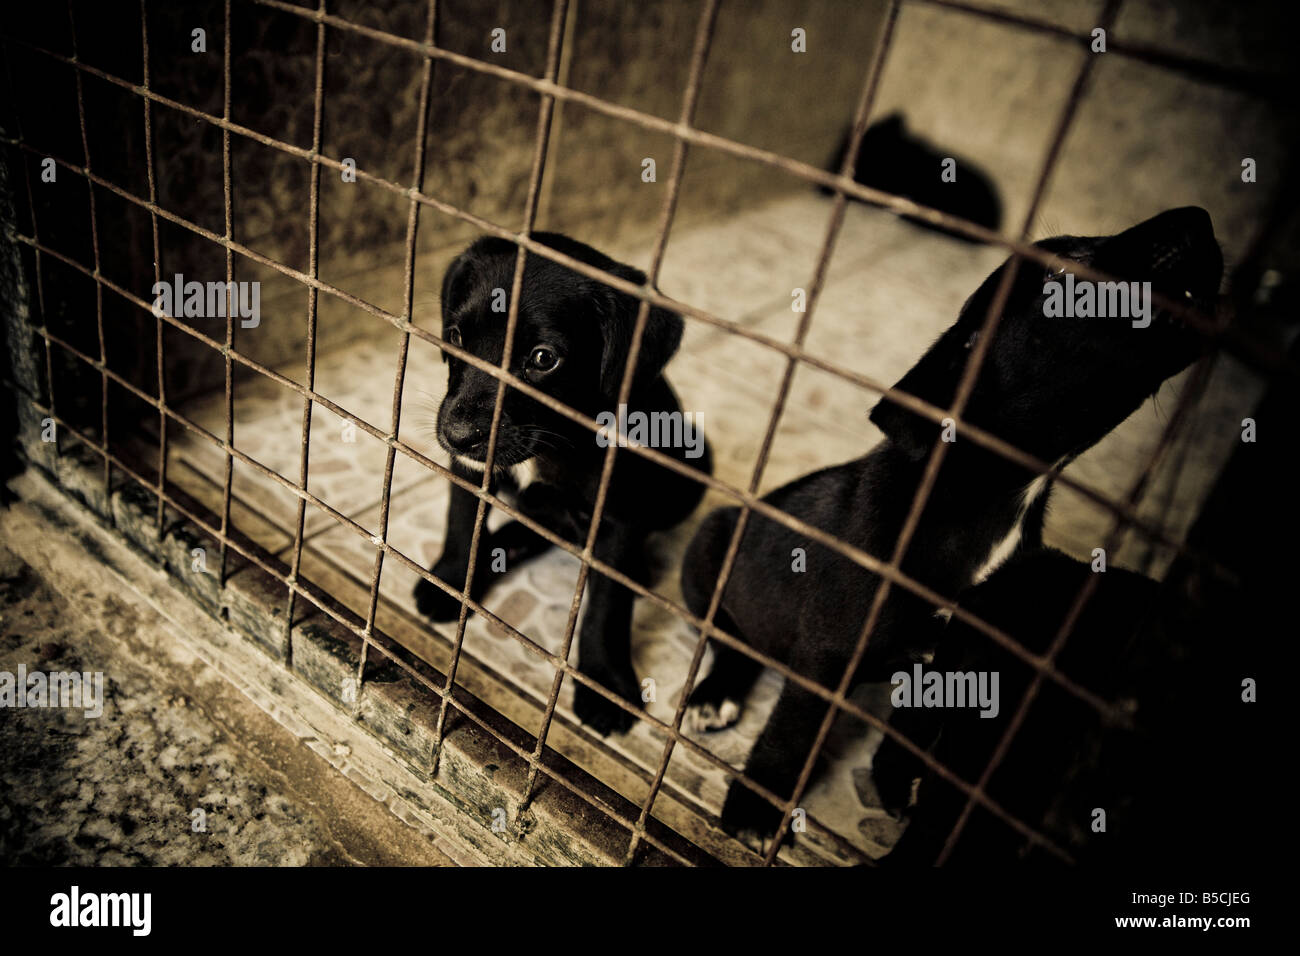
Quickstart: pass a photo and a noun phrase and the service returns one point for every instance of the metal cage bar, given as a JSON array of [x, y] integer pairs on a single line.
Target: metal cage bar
[[227, 207], [159, 354], [309, 372], [408, 297], [545, 113], [690, 97], [94, 249]]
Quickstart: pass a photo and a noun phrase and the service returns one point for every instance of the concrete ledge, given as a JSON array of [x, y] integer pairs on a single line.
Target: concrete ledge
[[471, 799], [249, 592]]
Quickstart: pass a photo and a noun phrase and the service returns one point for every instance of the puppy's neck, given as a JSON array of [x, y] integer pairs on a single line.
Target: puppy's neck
[[1026, 529], [1021, 532]]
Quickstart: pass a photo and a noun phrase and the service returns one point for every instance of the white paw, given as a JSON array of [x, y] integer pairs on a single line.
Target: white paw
[[702, 717]]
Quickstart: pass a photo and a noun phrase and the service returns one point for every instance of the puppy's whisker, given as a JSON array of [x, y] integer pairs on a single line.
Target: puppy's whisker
[[554, 441], [551, 443]]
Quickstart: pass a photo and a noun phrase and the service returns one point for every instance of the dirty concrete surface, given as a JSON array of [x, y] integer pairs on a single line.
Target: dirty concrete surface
[[123, 788]]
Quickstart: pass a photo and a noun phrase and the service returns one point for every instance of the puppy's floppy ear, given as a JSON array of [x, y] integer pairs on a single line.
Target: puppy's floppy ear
[[934, 379], [456, 281], [455, 285], [935, 375], [617, 316]]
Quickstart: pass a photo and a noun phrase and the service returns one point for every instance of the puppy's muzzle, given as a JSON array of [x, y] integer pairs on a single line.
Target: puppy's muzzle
[[1176, 249], [462, 436]]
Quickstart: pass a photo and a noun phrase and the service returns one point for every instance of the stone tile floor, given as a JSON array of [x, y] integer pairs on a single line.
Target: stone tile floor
[[178, 768], [891, 289]]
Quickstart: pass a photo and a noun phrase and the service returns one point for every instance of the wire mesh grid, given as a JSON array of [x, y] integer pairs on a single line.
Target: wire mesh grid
[[685, 137]]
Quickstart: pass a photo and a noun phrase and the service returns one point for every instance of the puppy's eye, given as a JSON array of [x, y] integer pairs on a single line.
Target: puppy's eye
[[543, 359], [452, 336]]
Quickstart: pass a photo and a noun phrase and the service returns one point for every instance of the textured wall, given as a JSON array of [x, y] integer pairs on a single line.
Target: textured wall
[[480, 142]]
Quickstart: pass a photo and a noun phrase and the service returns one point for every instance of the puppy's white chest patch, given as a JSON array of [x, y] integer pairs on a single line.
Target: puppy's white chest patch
[[524, 473], [469, 463], [1000, 551], [1006, 546]]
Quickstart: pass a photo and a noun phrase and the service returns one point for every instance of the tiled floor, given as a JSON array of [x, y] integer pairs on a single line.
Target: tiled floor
[[891, 289]]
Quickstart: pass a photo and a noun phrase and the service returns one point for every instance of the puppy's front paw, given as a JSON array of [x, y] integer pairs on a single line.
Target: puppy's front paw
[[745, 812], [708, 716], [602, 715], [708, 708], [435, 603]]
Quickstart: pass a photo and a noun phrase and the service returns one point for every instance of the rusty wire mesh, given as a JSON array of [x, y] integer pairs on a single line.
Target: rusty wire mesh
[[1123, 512]]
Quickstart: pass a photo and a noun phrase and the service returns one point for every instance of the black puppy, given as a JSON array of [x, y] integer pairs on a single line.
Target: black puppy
[[1052, 386], [1177, 654], [1173, 656], [1107, 793], [893, 160], [1064, 763], [571, 342]]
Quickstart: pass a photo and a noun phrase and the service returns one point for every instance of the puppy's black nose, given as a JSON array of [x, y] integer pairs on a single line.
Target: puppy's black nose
[[462, 435]]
